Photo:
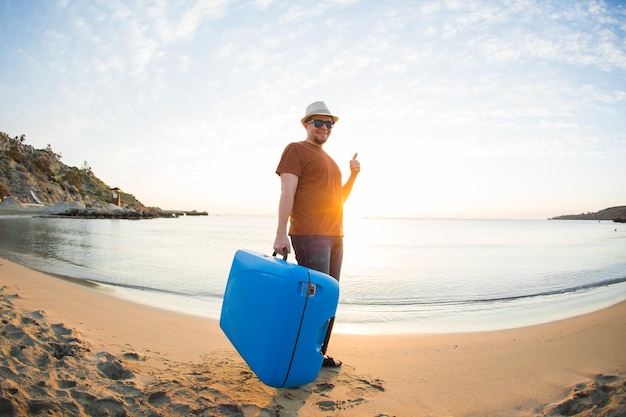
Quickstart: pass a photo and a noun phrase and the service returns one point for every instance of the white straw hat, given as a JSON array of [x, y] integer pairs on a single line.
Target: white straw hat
[[318, 109]]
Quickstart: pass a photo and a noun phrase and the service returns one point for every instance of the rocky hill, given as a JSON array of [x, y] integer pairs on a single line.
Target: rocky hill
[[617, 214], [32, 178]]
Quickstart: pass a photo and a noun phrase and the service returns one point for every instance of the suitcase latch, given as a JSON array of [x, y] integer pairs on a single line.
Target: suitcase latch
[[311, 289]]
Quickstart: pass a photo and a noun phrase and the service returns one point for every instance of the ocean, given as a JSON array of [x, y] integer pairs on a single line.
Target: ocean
[[399, 275]]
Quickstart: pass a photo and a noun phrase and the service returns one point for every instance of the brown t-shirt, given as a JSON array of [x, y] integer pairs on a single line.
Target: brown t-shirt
[[318, 203]]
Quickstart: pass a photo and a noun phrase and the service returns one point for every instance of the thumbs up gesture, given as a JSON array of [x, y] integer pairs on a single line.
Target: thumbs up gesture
[[355, 166]]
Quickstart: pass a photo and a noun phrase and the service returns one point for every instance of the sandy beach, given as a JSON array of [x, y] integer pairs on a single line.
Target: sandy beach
[[72, 350]]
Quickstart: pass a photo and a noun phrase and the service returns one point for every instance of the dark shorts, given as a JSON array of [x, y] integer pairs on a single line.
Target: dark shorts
[[322, 253]]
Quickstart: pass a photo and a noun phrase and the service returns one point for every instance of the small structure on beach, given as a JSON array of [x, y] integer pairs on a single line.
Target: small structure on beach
[[116, 196]]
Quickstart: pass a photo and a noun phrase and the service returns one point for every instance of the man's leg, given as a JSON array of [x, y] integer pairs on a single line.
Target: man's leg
[[313, 251], [324, 254], [336, 259]]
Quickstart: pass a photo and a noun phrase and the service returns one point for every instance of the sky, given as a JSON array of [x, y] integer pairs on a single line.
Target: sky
[[457, 109]]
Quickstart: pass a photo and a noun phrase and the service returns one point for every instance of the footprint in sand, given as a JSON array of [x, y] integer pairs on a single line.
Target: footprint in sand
[[602, 397]]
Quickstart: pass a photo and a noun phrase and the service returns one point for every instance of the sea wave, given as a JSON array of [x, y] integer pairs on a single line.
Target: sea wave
[[420, 302]]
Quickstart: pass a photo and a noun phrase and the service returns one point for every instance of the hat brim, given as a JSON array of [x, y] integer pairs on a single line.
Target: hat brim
[[310, 116]]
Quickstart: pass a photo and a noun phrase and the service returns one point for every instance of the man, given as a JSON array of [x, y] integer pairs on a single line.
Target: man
[[312, 200]]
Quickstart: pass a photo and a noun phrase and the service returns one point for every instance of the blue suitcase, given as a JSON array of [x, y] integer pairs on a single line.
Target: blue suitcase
[[275, 314]]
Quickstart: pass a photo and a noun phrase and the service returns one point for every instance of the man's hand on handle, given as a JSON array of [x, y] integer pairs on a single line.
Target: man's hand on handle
[[281, 243]]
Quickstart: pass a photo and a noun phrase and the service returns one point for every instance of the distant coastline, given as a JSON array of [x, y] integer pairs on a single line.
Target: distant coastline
[[11, 206], [616, 214]]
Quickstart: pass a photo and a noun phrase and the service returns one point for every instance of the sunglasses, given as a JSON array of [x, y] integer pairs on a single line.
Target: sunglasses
[[320, 123]]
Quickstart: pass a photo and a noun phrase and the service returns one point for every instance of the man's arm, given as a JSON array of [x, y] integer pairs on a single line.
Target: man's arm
[[289, 184], [355, 168]]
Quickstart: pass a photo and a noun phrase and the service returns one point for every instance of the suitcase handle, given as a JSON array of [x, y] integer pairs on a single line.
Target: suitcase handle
[[284, 254]]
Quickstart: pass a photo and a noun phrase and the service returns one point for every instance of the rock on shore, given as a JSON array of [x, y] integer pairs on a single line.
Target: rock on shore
[[73, 209]]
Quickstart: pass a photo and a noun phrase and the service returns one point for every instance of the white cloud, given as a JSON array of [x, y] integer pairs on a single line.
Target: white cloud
[[172, 24]]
